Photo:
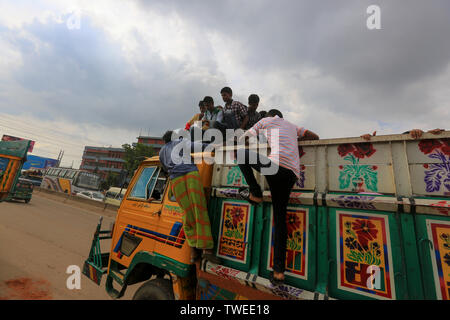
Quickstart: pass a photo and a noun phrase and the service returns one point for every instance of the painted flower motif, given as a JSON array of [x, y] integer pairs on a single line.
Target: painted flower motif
[[352, 244], [446, 238], [429, 145], [365, 231], [363, 150], [446, 146], [293, 223], [345, 149], [447, 259], [301, 153], [237, 215]]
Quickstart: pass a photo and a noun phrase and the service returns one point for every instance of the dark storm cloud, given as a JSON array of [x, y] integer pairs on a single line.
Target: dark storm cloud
[[83, 77], [322, 49], [385, 71]]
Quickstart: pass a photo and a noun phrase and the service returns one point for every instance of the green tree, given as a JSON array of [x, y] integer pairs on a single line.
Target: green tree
[[110, 181], [134, 154]]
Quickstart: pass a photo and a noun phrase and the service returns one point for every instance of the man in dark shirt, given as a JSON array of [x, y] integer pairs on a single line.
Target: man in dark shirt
[[253, 116]]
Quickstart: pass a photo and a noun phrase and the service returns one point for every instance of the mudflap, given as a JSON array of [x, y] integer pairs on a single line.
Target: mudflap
[[97, 263], [93, 272]]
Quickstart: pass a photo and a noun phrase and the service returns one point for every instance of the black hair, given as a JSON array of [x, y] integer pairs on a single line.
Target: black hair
[[227, 90], [167, 137], [200, 103], [253, 98], [208, 99], [263, 113], [274, 112]]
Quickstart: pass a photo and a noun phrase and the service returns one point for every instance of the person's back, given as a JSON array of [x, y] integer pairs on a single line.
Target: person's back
[[183, 165], [282, 137]]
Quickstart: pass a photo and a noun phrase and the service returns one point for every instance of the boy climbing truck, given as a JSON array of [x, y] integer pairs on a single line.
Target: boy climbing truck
[[365, 220]]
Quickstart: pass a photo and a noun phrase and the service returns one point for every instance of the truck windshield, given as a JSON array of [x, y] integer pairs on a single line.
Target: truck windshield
[[142, 186]]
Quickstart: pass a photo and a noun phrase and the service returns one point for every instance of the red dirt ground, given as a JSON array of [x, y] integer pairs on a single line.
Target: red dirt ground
[[27, 289]]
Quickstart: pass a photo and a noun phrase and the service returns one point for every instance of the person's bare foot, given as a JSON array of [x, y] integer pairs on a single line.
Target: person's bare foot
[[278, 276]]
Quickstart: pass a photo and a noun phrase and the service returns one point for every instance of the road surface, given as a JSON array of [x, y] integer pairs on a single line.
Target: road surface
[[40, 240]]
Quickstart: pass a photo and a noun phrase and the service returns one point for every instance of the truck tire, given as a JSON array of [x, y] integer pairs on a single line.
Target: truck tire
[[27, 200], [157, 289]]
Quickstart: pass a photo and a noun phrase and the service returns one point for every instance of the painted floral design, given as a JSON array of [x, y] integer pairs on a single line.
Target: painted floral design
[[437, 174], [442, 206], [301, 180], [355, 202], [234, 223], [447, 259], [446, 238], [235, 177], [355, 174], [360, 236], [294, 234]]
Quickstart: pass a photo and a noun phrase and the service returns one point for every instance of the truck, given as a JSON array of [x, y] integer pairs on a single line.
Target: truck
[[366, 220], [13, 154]]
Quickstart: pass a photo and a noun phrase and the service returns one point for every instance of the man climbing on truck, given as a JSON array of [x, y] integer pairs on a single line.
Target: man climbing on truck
[[188, 191], [285, 157]]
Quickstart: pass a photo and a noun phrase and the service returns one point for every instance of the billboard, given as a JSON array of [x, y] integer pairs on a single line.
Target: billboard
[[36, 162], [12, 138]]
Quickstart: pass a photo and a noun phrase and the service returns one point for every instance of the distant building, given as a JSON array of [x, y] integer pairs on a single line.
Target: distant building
[[155, 142], [103, 160]]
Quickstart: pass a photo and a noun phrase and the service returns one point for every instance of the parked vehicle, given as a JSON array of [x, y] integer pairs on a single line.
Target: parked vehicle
[[92, 195], [12, 156], [35, 176], [115, 195], [70, 181], [366, 220], [23, 190]]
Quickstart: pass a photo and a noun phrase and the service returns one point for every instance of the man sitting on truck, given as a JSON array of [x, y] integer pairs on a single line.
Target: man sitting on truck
[[284, 165], [188, 191]]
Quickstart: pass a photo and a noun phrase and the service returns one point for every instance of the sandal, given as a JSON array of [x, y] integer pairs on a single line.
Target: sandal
[[244, 194], [274, 281]]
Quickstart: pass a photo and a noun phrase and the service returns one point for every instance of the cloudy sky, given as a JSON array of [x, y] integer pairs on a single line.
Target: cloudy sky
[[76, 73]]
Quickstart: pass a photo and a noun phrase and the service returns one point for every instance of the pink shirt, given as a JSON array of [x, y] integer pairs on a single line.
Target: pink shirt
[[282, 137]]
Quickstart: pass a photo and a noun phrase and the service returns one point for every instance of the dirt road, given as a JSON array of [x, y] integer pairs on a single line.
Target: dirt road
[[39, 241]]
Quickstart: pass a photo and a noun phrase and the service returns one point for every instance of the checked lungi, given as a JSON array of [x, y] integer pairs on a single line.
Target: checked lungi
[[188, 192]]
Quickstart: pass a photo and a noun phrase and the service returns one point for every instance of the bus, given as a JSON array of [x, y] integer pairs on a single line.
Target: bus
[[70, 181]]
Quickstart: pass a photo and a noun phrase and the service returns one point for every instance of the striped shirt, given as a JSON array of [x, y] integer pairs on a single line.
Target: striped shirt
[[282, 137]]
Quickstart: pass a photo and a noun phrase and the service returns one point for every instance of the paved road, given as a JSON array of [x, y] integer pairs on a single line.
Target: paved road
[[39, 240]]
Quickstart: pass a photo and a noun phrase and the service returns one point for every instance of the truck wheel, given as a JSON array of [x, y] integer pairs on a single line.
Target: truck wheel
[[27, 200], [157, 289]]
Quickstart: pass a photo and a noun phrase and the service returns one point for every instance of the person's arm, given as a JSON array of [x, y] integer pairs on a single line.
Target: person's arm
[[417, 133], [244, 122], [304, 134], [219, 117], [243, 113], [367, 136]]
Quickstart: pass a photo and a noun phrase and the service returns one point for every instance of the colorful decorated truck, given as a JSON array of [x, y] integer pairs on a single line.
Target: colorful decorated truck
[[12, 156], [366, 220]]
